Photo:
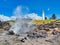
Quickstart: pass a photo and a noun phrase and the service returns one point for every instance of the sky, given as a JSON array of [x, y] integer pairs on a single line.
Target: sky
[[7, 7]]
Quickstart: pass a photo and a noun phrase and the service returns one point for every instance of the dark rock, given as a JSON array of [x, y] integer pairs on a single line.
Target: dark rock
[[4, 25], [25, 38], [31, 35], [1, 24], [43, 34], [55, 32], [22, 40], [11, 33], [46, 29], [37, 35], [49, 41], [17, 34]]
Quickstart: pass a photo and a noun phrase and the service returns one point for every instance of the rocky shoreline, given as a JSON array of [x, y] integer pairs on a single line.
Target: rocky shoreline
[[46, 34]]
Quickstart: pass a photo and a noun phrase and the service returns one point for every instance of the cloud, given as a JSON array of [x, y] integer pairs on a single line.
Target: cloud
[[13, 17], [33, 16], [4, 18], [21, 12]]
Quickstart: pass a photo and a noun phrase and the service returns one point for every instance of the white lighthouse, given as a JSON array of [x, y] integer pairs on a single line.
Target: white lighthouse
[[43, 15]]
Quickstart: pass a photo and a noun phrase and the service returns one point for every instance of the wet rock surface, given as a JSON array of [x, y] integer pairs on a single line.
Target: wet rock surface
[[46, 34], [30, 39], [4, 25], [37, 35]]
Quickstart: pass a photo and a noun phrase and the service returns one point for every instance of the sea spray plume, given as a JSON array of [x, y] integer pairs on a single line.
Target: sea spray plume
[[22, 24], [21, 11]]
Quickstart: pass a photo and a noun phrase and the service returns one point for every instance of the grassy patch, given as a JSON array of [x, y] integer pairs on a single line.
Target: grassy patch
[[11, 22], [38, 22]]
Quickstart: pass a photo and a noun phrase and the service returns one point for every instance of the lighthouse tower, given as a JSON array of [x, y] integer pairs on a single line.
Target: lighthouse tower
[[43, 15]]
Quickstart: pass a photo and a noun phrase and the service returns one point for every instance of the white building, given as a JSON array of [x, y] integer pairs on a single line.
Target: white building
[[43, 15]]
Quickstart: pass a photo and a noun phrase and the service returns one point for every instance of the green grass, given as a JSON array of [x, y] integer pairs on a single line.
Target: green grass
[[38, 22], [11, 22]]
